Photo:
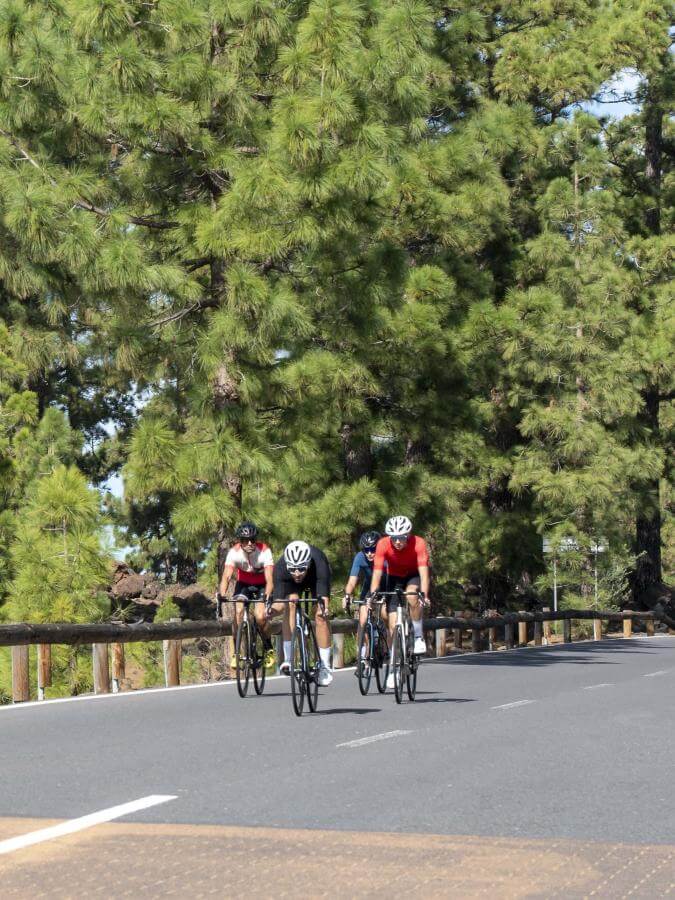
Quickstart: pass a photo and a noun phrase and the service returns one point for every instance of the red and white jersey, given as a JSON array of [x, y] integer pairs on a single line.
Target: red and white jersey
[[250, 566]]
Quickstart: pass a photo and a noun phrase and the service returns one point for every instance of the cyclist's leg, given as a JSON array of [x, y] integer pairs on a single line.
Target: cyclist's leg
[[287, 611], [415, 607], [323, 635], [363, 618]]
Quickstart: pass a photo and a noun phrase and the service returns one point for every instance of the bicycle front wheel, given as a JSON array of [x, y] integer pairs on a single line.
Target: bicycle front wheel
[[243, 651], [381, 659], [259, 672], [298, 674], [313, 664], [411, 672], [364, 660], [397, 664]]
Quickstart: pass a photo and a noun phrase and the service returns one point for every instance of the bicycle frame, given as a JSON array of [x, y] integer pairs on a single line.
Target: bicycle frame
[[403, 626]]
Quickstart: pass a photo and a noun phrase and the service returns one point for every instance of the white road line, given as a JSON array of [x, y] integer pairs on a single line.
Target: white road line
[[512, 705], [596, 687], [375, 737], [654, 674], [73, 825]]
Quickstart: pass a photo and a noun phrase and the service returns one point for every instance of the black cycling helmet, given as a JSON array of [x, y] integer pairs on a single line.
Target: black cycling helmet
[[369, 539], [246, 530]]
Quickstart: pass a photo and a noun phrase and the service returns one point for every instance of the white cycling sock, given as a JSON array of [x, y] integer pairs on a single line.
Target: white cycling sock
[[324, 653], [363, 651], [417, 628], [287, 651]]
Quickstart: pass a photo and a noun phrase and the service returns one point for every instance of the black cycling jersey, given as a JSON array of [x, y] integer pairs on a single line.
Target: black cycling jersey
[[316, 581]]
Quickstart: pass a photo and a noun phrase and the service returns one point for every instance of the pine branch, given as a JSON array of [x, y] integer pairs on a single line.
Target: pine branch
[[145, 221]]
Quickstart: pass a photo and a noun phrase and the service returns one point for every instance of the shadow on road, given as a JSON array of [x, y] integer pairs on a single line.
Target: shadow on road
[[444, 699], [590, 653], [340, 711]]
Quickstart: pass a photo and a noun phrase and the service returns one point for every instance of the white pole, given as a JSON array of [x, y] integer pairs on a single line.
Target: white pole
[[555, 585]]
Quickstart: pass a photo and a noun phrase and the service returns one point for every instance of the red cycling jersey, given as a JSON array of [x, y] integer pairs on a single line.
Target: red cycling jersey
[[401, 562]]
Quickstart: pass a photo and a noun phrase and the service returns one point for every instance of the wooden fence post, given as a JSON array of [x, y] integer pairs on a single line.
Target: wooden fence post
[[547, 628], [171, 650], [508, 635], [650, 627], [597, 629], [101, 671], [118, 666], [339, 651], [441, 640], [522, 631], [456, 636], [20, 678], [537, 634], [627, 625], [492, 638], [44, 668], [476, 640], [567, 631]]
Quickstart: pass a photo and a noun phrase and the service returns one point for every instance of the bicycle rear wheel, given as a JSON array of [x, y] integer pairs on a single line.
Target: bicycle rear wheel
[[381, 658], [298, 674], [411, 674], [258, 654], [364, 660], [397, 664], [313, 663], [243, 652]]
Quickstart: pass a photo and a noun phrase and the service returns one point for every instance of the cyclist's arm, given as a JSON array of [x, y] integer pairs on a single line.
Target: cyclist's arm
[[351, 584], [269, 580], [228, 572], [378, 566], [424, 580]]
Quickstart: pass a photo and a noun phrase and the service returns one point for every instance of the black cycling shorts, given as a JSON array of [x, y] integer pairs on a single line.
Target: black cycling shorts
[[250, 591], [405, 582]]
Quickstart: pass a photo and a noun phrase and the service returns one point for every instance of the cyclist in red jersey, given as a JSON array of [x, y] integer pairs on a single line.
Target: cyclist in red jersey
[[407, 560], [253, 564]]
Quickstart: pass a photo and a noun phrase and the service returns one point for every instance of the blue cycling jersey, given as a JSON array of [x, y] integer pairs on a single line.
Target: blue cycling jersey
[[363, 570]]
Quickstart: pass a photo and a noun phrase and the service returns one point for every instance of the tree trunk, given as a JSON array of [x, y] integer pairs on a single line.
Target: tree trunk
[[356, 452], [648, 520]]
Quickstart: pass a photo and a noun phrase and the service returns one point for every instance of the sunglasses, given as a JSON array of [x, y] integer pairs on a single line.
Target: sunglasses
[[248, 540], [298, 570], [399, 539], [370, 552]]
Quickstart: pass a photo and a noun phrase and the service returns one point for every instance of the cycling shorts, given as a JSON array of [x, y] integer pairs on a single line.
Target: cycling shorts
[[405, 582], [250, 591]]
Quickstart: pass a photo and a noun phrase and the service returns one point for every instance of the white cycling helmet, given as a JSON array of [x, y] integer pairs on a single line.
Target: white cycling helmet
[[297, 555], [398, 526]]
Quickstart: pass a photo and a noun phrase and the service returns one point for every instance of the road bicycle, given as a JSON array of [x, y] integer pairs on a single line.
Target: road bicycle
[[250, 647], [372, 652], [305, 659], [404, 662]]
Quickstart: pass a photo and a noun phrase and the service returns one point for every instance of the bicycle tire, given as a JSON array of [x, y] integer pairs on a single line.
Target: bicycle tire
[[382, 660], [313, 663], [259, 673], [364, 659], [411, 674], [243, 651], [397, 664], [298, 674]]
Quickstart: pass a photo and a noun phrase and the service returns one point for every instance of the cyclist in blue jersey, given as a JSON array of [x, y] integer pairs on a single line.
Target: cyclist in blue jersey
[[361, 571]]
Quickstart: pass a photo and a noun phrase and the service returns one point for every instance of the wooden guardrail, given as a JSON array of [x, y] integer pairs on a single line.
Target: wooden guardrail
[[102, 636]]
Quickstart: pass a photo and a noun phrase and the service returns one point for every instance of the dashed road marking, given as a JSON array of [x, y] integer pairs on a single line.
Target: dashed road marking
[[360, 742], [73, 825], [513, 704], [654, 674], [596, 687]]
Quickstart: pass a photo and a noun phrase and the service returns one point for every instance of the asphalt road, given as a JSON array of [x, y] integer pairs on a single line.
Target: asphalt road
[[571, 741]]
